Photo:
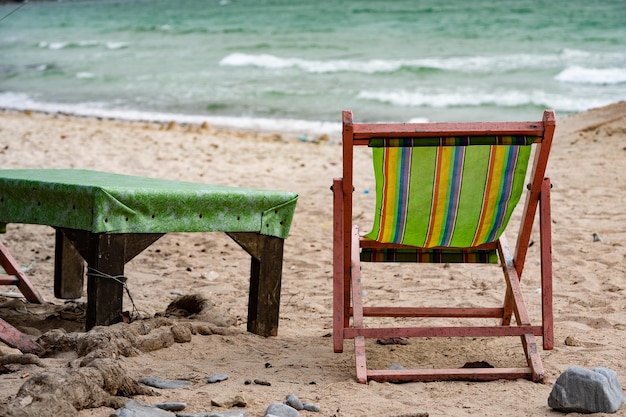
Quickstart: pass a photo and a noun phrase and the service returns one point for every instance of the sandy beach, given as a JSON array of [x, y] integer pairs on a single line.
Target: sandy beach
[[588, 171]]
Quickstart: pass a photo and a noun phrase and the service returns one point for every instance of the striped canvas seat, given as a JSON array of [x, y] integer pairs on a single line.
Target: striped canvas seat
[[446, 196], [445, 192]]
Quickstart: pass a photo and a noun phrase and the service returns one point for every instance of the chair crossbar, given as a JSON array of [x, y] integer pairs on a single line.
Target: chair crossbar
[[441, 331], [460, 374], [449, 312], [9, 280], [399, 130], [453, 141]]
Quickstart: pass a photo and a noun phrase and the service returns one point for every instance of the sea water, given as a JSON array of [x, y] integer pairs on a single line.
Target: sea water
[[295, 64]]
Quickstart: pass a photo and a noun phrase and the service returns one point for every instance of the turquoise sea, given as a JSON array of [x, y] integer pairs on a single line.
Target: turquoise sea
[[295, 64]]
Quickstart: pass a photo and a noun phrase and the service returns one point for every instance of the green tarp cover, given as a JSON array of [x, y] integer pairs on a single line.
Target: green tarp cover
[[101, 202]]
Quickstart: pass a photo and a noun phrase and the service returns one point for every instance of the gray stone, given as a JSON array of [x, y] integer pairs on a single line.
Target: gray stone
[[155, 382], [217, 378], [171, 406], [580, 390], [294, 402], [311, 407], [227, 401], [135, 408], [281, 410], [213, 414]]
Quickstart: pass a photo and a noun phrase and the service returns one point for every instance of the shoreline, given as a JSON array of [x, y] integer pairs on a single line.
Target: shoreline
[[586, 167], [296, 127]]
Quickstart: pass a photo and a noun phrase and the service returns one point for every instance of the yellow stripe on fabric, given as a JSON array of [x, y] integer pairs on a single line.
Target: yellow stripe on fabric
[[440, 196], [389, 204], [495, 176]]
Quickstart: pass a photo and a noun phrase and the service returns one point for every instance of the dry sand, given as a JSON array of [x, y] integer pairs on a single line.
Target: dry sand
[[588, 171]]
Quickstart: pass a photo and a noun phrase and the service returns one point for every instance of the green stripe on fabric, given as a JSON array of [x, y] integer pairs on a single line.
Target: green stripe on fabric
[[491, 184], [452, 141]]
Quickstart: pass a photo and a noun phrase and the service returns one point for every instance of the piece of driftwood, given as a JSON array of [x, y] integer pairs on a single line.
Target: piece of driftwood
[[101, 382]]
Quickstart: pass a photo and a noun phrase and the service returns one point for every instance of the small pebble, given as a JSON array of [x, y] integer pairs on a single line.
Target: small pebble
[[281, 410], [292, 400], [570, 341], [217, 378], [135, 408], [311, 407], [171, 406], [261, 382], [155, 382], [229, 401]]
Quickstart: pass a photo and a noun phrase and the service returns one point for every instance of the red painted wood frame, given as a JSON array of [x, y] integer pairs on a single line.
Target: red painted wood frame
[[347, 243]]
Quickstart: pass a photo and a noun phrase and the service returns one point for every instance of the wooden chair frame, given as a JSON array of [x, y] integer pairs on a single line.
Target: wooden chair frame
[[347, 244], [14, 276]]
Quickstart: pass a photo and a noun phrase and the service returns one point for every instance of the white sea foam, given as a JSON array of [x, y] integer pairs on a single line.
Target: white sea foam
[[82, 44], [116, 45], [22, 102], [53, 45], [602, 76], [487, 64], [475, 98]]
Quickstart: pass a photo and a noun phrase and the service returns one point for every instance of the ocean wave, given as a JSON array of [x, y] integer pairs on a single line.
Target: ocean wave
[[472, 64], [82, 44], [472, 98], [22, 102], [601, 76]]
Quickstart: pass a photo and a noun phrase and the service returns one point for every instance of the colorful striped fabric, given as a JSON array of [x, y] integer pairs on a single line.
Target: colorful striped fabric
[[446, 196], [452, 141], [453, 255]]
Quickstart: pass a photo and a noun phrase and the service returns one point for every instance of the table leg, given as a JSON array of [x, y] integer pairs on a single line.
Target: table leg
[[265, 280], [105, 278], [106, 255], [69, 268]]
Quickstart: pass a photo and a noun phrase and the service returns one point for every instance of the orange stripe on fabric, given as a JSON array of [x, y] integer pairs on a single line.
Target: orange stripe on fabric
[[485, 204], [389, 193], [439, 192], [491, 194]]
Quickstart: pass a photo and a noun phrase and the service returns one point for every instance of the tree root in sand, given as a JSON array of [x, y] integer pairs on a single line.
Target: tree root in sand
[[99, 380]]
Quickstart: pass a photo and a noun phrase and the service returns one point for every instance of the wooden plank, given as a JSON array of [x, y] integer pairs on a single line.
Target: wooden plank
[[545, 225], [442, 331], [9, 280], [17, 340], [69, 268], [12, 268], [249, 242], [460, 374], [138, 242], [446, 129], [105, 278], [542, 153], [265, 280], [360, 360], [340, 321], [433, 312], [72, 248]]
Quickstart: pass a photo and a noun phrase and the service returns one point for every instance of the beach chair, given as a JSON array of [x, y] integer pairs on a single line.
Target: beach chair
[[12, 274], [444, 194]]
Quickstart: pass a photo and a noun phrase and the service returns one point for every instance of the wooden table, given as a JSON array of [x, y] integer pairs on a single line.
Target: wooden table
[[107, 219]]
